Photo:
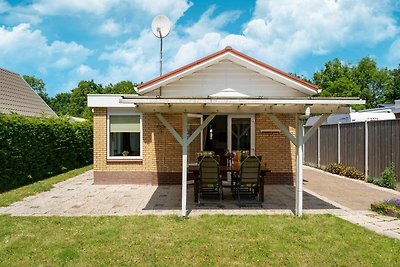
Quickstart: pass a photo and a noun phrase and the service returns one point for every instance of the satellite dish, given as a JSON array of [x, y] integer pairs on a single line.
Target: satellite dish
[[161, 26]]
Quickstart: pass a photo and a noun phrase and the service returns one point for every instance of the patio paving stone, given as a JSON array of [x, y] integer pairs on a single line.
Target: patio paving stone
[[79, 197]]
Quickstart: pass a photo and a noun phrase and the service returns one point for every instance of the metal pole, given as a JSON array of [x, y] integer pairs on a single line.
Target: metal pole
[[184, 162], [160, 54], [319, 147], [338, 143], [299, 167], [366, 152]]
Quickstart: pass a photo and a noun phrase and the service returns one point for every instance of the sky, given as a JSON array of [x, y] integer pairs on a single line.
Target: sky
[[65, 41]]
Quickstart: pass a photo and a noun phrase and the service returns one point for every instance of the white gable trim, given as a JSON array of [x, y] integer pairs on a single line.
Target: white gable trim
[[181, 74], [238, 60]]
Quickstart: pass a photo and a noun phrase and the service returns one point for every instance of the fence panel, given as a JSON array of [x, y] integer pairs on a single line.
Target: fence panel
[[311, 149], [384, 146], [329, 144], [352, 145]]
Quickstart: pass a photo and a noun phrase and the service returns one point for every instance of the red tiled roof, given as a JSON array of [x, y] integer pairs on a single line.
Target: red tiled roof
[[221, 52]]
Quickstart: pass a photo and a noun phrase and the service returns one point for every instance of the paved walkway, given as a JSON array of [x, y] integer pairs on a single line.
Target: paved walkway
[[354, 198], [78, 196]]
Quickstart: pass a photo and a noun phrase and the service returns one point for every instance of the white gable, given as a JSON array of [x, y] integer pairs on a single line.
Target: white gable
[[227, 79]]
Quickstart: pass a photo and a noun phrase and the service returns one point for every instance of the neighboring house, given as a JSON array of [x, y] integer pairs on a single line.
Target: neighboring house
[[16, 96], [226, 100]]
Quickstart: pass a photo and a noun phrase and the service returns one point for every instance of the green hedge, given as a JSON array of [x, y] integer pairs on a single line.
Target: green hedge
[[32, 149]]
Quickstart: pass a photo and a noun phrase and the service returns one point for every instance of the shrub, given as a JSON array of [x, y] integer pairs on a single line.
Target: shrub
[[348, 171], [32, 149], [354, 173], [370, 179], [336, 168], [389, 207], [387, 178]]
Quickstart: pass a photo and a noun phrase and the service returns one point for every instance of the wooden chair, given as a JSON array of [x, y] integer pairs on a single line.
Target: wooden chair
[[210, 184]]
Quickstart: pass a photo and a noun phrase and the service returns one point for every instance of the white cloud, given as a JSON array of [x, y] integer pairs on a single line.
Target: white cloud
[[62, 7], [393, 56], [208, 24], [111, 28], [294, 28], [173, 9], [4, 6], [22, 45], [281, 32]]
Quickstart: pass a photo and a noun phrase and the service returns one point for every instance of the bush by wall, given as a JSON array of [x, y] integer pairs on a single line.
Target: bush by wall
[[387, 178], [32, 149], [348, 171]]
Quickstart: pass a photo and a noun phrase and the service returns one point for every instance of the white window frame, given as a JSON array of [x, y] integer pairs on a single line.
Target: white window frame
[[252, 118], [119, 111]]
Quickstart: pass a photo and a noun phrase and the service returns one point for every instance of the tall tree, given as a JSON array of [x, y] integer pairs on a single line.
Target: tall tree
[[78, 100], [363, 80], [373, 82], [60, 103], [394, 93], [123, 87], [38, 86]]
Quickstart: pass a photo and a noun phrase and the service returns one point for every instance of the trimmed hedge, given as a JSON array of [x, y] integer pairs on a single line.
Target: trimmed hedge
[[32, 149]]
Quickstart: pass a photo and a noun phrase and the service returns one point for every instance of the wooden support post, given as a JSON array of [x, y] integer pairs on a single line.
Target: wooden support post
[[299, 167], [184, 162]]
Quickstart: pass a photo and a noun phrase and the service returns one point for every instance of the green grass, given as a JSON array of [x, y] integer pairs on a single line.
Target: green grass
[[313, 240], [20, 193]]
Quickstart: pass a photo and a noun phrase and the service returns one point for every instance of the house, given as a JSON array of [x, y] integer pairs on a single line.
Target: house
[[16, 96], [226, 100]]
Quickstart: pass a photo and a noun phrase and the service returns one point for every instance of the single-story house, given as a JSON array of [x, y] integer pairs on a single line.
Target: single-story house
[[16, 96], [225, 101]]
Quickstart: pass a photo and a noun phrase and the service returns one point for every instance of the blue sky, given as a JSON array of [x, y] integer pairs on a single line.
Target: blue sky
[[65, 41]]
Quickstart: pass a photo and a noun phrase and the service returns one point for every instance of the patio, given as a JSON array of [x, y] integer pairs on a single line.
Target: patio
[[79, 197]]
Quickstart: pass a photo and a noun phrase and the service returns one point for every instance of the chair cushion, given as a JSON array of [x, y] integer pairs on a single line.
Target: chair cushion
[[208, 185]]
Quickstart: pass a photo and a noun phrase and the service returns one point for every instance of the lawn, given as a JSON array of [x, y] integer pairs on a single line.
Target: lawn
[[20, 193], [313, 240]]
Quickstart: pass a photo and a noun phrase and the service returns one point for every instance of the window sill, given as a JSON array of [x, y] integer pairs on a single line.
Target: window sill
[[123, 160]]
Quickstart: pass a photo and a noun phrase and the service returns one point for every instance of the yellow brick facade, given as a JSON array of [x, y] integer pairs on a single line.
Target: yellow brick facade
[[163, 154]]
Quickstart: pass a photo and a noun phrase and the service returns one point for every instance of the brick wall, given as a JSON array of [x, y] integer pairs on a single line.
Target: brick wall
[[278, 153], [162, 154]]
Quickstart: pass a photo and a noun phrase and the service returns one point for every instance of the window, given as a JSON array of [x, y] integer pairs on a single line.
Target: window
[[124, 135]]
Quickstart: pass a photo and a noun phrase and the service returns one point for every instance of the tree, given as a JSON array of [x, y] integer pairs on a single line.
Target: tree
[[123, 87], [394, 92], [78, 100], [38, 86], [60, 103], [364, 80], [373, 82]]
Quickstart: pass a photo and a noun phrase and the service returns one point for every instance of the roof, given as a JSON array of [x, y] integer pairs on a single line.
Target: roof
[[16, 96], [234, 54], [312, 105]]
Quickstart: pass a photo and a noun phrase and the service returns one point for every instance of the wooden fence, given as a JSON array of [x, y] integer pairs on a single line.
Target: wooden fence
[[369, 146]]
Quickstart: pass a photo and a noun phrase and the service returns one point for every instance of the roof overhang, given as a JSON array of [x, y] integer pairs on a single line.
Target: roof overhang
[[303, 105]]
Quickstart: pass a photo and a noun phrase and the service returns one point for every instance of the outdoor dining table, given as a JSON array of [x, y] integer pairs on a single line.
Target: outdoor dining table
[[195, 169]]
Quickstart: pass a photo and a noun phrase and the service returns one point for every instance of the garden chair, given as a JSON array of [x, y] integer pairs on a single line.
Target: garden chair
[[247, 185], [210, 184]]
